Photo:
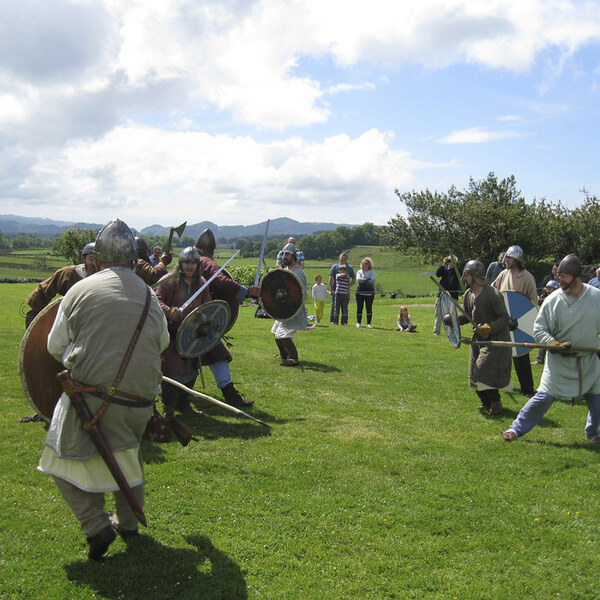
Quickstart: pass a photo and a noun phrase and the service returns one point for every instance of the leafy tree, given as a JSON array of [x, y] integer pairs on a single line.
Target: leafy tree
[[71, 243], [28, 241], [4, 242], [487, 217]]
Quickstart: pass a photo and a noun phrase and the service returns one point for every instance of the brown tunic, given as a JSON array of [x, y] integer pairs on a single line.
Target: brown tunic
[[148, 273], [487, 365], [59, 283]]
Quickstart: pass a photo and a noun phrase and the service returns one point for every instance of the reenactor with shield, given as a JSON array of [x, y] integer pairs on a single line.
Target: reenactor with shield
[[172, 294], [109, 333], [60, 282], [283, 292]]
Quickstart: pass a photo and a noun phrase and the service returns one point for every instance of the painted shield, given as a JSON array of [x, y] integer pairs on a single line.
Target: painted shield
[[522, 317], [202, 329], [281, 294], [453, 330], [234, 305], [37, 368]]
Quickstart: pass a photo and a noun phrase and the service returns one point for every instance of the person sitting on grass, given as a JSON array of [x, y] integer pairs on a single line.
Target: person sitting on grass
[[405, 321]]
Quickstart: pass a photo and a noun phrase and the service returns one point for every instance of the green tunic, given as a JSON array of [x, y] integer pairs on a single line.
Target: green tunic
[[577, 320]]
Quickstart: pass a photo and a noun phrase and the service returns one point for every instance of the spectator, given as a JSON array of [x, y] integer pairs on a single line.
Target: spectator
[[319, 290], [155, 256], [595, 281], [340, 296], [365, 291], [404, 321], [449, 281], [495, 268], [332, 274]]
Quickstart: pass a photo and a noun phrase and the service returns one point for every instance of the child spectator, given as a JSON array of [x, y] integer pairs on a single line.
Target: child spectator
[[405, 321], [318, 293]]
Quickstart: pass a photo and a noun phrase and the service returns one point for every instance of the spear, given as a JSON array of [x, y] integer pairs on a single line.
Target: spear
[[233, 409], [500, 344]]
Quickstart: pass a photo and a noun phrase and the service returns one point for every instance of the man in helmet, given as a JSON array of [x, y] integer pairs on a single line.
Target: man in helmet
[[299, 255], [570, 317], [60, 282], [515, 278], [172, 294], [489, 367], [150, 274], [284, 331], [95, 326]]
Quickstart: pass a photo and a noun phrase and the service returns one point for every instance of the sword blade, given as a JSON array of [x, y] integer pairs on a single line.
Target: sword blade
[[205, 284], [262, 253]]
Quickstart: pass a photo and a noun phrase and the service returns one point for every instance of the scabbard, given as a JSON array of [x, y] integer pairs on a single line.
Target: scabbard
[[90, 425]]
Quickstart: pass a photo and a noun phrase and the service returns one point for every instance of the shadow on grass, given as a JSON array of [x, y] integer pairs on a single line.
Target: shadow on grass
[[320, 367], [587, 445], [148, 570]]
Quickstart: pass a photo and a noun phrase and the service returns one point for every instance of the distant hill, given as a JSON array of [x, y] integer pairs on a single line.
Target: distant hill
[[12, 225]]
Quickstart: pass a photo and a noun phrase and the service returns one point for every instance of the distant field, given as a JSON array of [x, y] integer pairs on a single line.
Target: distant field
[[395, 272]]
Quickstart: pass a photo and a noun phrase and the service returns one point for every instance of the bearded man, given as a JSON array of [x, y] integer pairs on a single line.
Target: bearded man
[[570, 317]]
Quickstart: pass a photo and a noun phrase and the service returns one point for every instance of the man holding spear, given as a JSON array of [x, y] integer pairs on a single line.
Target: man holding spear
[[569, 324]]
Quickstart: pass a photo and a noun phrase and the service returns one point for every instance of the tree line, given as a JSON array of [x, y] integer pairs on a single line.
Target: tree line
[[489, 216]]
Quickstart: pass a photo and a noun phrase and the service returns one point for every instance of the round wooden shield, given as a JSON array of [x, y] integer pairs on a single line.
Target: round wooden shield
[[234, 305], [281, 294], [37, 368], [453, 330], [202, 329], [522, 317]]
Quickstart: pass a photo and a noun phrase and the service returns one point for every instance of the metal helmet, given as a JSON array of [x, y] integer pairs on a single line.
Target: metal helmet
[[515, 252], [189, 254], [205, 244], [143, 250], [552, 284], [115, 244], [570, 265], [88, 249], [289, 248], [476, 270]]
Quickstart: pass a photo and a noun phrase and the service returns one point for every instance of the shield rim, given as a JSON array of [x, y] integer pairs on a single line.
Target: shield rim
[[297, 280], [22, 374], [455, 327], [191, 316]]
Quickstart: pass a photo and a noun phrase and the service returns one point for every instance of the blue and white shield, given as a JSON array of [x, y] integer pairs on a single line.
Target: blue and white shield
[[522, 317]]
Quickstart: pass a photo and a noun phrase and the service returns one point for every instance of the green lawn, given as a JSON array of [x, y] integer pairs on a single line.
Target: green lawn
[[378, 479]]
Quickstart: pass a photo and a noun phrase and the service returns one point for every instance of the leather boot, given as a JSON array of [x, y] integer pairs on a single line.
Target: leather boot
[[291, 352], [233, 397]]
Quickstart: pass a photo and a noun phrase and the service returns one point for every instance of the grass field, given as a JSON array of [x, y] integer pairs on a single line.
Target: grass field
[[379, 478]]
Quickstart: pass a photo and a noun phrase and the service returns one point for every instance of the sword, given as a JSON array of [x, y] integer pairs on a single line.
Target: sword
[[233, 409], [262, 253], [90, 424], [203, 286]]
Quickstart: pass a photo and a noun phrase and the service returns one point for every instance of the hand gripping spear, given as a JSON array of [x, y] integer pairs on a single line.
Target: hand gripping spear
[[90, 424], [233, 409]]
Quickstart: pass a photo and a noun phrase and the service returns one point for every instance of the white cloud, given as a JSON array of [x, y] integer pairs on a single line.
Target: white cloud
[[476, 135], [143, 170]]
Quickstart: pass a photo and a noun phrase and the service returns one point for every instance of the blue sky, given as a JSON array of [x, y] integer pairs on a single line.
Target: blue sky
[[236, 111]]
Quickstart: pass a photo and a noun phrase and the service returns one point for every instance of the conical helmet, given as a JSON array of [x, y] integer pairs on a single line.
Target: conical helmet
[[206, 244], [115, 244], [570, 265], [476, 270]]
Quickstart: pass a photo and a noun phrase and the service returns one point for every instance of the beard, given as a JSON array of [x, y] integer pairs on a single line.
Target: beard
[[90, 269]]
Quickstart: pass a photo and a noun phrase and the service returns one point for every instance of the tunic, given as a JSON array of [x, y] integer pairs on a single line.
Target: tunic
[[487, 365], [148, 273], [576, 320], [59, 283], [521, 281], [91, 333]]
